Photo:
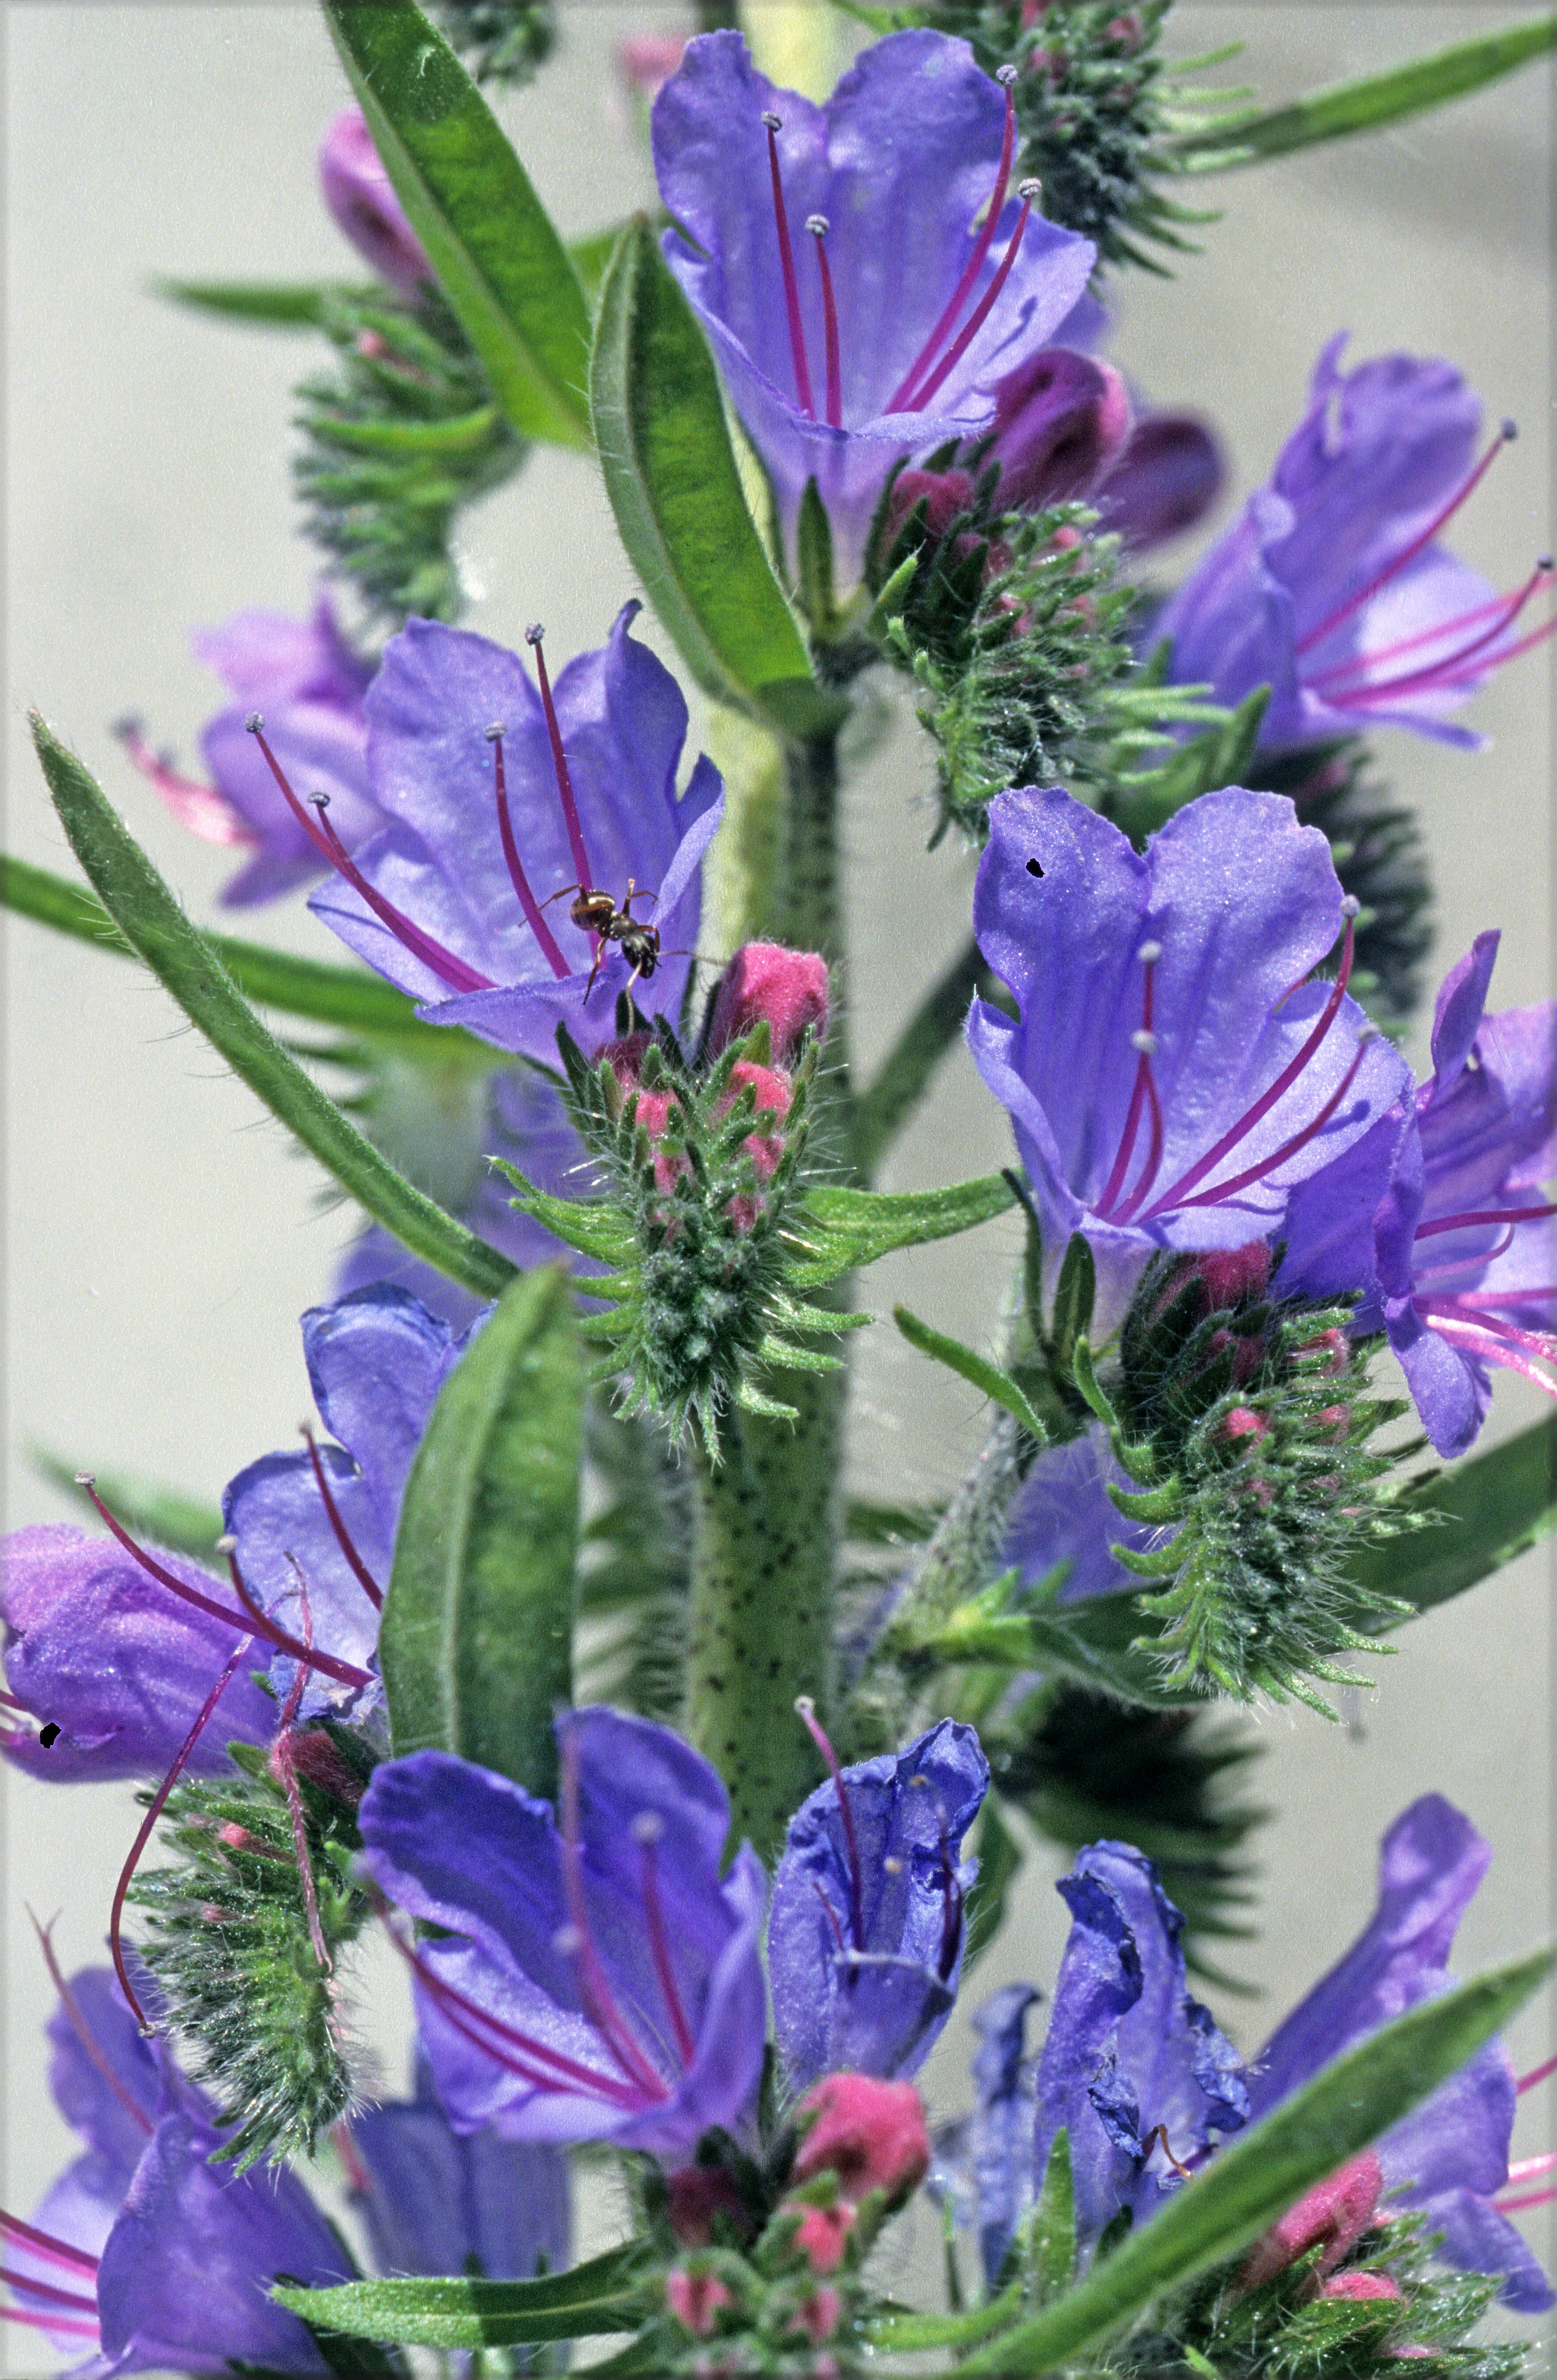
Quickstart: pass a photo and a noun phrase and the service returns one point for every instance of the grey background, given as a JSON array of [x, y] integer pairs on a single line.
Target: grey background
[[161, 1234]]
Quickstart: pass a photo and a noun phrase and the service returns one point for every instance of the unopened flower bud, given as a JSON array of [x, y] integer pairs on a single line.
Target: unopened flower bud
[[694, 2194], [1333, 2216], [870, 2134], [818, 2315], [646, 61], [764, 980], [944, 495], [1060, 419], [360, 196], [823, 2235], [695, 2298]]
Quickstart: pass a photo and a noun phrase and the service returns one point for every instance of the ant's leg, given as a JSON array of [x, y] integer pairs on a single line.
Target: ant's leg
[[600, 953], [561, 895]]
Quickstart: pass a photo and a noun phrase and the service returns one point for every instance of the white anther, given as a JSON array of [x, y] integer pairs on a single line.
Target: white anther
[[818, 226], [86, 1479], [1145, 1042], [1149, 953], [496, 733], [1351, 906], [228, 1545], [805, 1706], [319, 801], [893, 1867], [534, 633], [1007, 75], [1031, 188], [774, 122], [567, 1941], [254, 722], [920, 1780], [647, 1828]]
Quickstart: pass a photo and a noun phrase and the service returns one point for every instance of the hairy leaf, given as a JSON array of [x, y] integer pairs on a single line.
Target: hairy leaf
[[589, 2301], [971, 1367], [840, 1229]]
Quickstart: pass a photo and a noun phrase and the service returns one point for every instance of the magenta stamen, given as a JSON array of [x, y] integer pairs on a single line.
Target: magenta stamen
[[83, 2032], [600, 2006], [12, 1701], [354, 1562], [1409, 552], [43, 2243], [953, 306], [807, 1710], [358, 2177], [1451, 668], [528, 903], [1531, 2198], [443, 964], [1537, 2074], [534, 637], [1267, 1100], [1487, 1215], [832, 1917], [658, 1943], [816, 226], [786, 265], [256, 1621], [1503, 611], [180, 1758], [1527, 2168], [1526, 645], [1424, 1275], [980, 314], [285, 1761], [46, 2291], [1498, 1342], [58, 2325], [201, 808], [1223, 1190], [951, 1911]]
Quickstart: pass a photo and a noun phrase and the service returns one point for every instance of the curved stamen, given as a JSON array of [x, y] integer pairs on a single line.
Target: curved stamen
[[201, 808], [45, 2244], [1453, 669], [1409, 552], [1487, 1215], [327, 843], [1503, 611], [807, 1710], [1532, 2198], [818, 227], [180, 1759], [1221, 1191], [1283, 1082], [600, 2004], [1527, 2168], [13, 1702], [1422, 1275], [354, 1562], [1028, 192], [775, 126], [58, 2325], [83, 2030], [252, 1619], [1537, 2075], [45, 2289], [1498, 1342], [1158, 2138], [528, 902], [899, 398], [1526, 645], [832, 1917], [1143, 1092], [646, 1829]]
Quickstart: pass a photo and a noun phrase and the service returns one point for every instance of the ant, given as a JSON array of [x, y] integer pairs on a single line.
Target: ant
[[596, 913]]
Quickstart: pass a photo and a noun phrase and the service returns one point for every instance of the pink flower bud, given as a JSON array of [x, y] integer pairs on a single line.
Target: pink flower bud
[[1060, 419], [942, 493], [694, 2194], [818, 2315], [1359, 2284], [823, 2235], [789, 988], [870, 2134], [359, 194], [1242, 1422], [646, 61], [1336, 2212], [695, 2298]]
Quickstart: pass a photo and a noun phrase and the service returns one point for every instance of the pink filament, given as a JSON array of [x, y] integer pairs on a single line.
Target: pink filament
[[958, 298], [660, 1949], [1531, 2198], [1222, 1190], [979, 315], [153, 1814], [1487, 1215], [1527, 2168], [58, 2325], [1408, 552], [1498, 1342], [595, 1991], [1537, 2075], [791, 286], [46, 2291], [830, 337], [813, 1728], [559, 763], [203, 810], [528, 902], [83, 2032], [1503, 611], [354, 1562], [1454, 669], [45, 2244]]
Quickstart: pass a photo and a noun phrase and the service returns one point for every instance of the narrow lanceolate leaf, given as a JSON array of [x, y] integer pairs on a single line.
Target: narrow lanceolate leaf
[[838, 1230], [277, 305], [496, 252], [476, 1643], [347, 997], [1492, 1507], [587, 2303], [671, 474], [1366, 104], [971, 1367], [150, 920], [1264, 2170]]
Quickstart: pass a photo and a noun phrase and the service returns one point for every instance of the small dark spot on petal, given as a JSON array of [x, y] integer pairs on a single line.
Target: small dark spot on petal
[[48, 1735], [1033, 867]]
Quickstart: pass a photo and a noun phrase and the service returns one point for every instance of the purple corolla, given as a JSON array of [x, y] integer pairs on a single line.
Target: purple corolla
[[500, 799], [1172, 1074], [606, 1981], [1065, 1514], [360, 196], [1332, 587], [865, 1941], [307, 682], [1132, 2068], [863, 269], [1450, 2156], [983, 2162]]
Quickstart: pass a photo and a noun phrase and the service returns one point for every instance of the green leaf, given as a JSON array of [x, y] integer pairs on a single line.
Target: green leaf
[[671, 475], [1493, 1508], [499, 260], [1263, 2171], [150, 920], [476, 1643], [976, 1369], [279, 304], [345, 996], [591, 1225], [1052, 2225], [1366, 104], [146, 1507], [838, 1230], [587, 2302]]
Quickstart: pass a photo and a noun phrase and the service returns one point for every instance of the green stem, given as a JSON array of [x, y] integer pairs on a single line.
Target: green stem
[[905, 1073]]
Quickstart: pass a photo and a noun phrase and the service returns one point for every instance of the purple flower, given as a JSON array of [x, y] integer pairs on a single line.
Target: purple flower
[[117, 1665], [1450, 2156], [1065, 1515], [925, 281], [1172, 1074], [1132, 2069], [320, 1524], [438, 2201], [309, 684], [1332, 587], [143, 2252], [607, 1983], [983, 2162], [865, 1941], [500, 800], [1165, 478], [360, 196]]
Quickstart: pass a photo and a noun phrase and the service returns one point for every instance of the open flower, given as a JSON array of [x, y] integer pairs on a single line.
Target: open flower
[[1332, 587], [1172, 1074], [605, 1982], [502, 799], [1063, 1514], [983, 2162], [865, 1941], [864, 271]]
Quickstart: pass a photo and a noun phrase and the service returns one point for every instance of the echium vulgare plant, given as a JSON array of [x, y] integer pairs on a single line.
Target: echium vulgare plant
[[576, 1666]]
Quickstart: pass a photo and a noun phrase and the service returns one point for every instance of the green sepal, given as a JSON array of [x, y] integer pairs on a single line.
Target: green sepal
[[813, 553], [592, 2300], [590, 1225], [184, 962], [1049, 2244], [972, 1367], [1075, 1294], [1154, 1504], [498, 257], [1219, 755], [676, 490], [277, 305], [839, 1229], [1253, 2179], [476, 1640]]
